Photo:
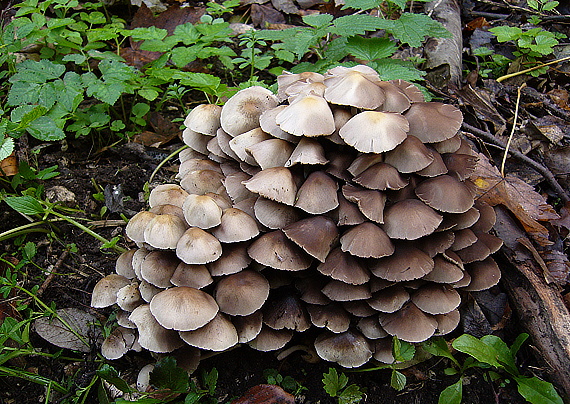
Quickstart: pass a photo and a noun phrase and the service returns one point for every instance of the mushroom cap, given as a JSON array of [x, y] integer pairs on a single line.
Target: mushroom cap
[[331, 316], [268, 123], [359, 308], [274, 215], [242, 293], [366, 240], [105, 291], [447, 322], [396, 99], [241, 143], [164, 231], [235, 226], [409, 324], [137, 224], [286, 79], [157, 268], [308, 151], [410, 219], [348, 213], [315, 235], [129, 297], [193, 164], [234, 258], [124, 264], [201, 182], [274, 183], [436, 243], [235, 188], [354, 86], [409, 156], [269, 339], [118, 343], [362, 162], [205, 119], [484, 274], [370, 327], [196, 141], [390, 299], [444, 271], [436, 299], [381, 176], [152, 335], [198, 247], [343, 292], [413, 93], [318, 194], [275, 250], [201, 211], [446, 194], [460, 221], [374, 131], [286, 311], [459, 165], [370, 202], [344, 267], [433, 121], [248, 327], [383, 350], [271, 153], [183, 308], [308, 115], [463, 238], [217, 335], [193, 276], [148, 290], [171, 194], [436, 167], [349, 349], [241, 112], [406, 264]]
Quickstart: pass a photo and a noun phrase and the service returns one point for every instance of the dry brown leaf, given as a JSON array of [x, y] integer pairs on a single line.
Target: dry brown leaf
[[564, 221], [262, 15], [521, 199], [9, 166], [265, 394], [287, 6], [480, 22]]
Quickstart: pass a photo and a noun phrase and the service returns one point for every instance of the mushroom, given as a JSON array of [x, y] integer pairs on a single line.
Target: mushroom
[[315, 235], [152, 335], [309, 116], [275, 250], [374, 131], [118, 343], [164, 231], [433, 121], [349, 349], [269, 339], [242, 293], [201, 211], [217, 335], [274, 183], [105, 291], [409, 324], [317, 195], [198, 247], [241, 112], [204, 119]]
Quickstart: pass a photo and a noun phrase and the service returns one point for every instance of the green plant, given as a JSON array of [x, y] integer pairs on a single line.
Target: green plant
[[287, 383], [336, 385], [542, 6], [491, 354]]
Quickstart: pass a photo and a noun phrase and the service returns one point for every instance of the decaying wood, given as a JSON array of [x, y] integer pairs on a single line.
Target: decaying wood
[[539, 306], [443, 55]]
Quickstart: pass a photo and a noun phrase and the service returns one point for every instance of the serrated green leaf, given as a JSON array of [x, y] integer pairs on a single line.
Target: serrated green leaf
[[187, 33], [361, 4], [537, 391], [412, 29], [398, 380], [333, 383], [39, 72], [544, 43], [351, 25], [109, 374], [108, 93], [29, 115], [45, 128], [75, 58], [370, 48], [101, 34], [394, 69], [452, 394], [317, 20], [505, 33], [477, 349], [147, 33], [181, 56], [27, 205], [166, 375], [398, 3], [113, 70], [6, 147], [351, 395]]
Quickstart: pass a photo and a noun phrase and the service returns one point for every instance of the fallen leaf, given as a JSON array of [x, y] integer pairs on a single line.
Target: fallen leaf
[[265, 394], [560, 98], [480, 22], [262, 15], [57, 333], [169, 19], [9, 166], [521, 199], [564, 221], [287, 6]]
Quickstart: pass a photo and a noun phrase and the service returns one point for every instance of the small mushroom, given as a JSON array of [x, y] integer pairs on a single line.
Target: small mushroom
[[198, 247], [242, 293], [349, 349], [105, 291], [315, 235], [152, 335], [217, 335]]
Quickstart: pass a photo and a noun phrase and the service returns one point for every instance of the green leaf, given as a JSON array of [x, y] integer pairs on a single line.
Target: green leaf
[[398, 3], [333, 383], [30, 71], [403, 351], [75, 58], [537, 391], [361, 4], [351, 395], [505, 358], [109, 374], [166, 375], [45, 128], [437, 346], [393, 69], [519, 340], [477, 349], [27, 205], [370, 48], [6, 147], [187, 33], [413, 28], [544, 42], [452, 394], [147, 33], [181, 56], [398, 380], [351, 25], [505, 33], [317, 20]]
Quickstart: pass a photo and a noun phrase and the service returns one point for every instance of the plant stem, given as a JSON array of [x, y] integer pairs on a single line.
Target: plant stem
[[508, 76]]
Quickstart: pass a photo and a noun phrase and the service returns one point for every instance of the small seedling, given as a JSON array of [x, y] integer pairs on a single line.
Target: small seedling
[[287, 383], [336, 385]]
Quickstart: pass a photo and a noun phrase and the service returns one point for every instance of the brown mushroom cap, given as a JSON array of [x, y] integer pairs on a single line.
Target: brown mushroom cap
[[105, 291], [318, 194], [129, 297], [242, 293], [241, 112], [307, 152], [366, 240], [461, 166], [348, 213], [248, 327], [413, 93], [383, 348], [407, 263], [236, 226], [205, 119], [274, 215], [315, 235], [217, 335], [446, 194], [447, 322], [182, 308], [118, 343], [308, 115], [193, 276], [269, 339], [433, 121], [331, 316], [124, 264], [381, 176], [343, 292], [444, 271], [484, 274], [274, 183], [152, 335], [344, 267], [370, 202], [201, 182], [396, 99], [286, 311], [371, 328], [436, 299], [271, 153], [157, 268], [349, 349], [234, 258], [164, 231], [375, 132], [198, 247], [390, 299], [409, 156], [409, 324], [275, 250], [410, 219]]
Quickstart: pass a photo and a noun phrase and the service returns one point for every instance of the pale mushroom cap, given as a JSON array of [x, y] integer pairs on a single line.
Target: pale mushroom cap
[[218, 335], [274, 215], [242, 293], [196, 141], [241, 112], [275, 183], [171, 194], [286, 79], [269, 339], [410, 219], [235, 188], [198, 247], [152, 335], [271, 153], [409, 324], [241, 143], [129, 297], [201, 211], [118, 343], [182, 308], [315, 235], [396, 100], [269, 125], [158, 266], [366, 240], [349, 349], [446, 194], [352, 87], [406, 264], [234, 258], [137, 224], [308, 151], [375, 132], [164, 231], [235, 226], [205, 119], [318, 194], [436, 299], [201, 182], [370, 327], [194, 164], [248, 327], [105, 291], [433, 121], [124, 264], [307, 116], [193, 276]]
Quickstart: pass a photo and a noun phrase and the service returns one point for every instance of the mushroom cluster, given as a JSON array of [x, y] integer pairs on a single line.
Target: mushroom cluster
[[342, 204]]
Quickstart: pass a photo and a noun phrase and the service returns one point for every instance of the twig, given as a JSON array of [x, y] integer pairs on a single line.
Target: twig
[[163, 162], [51, 275], [525, 159], [515, 119], [508, 76]]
